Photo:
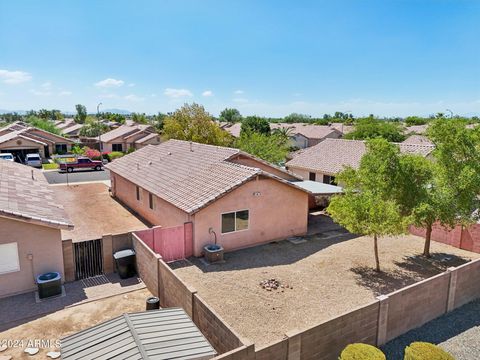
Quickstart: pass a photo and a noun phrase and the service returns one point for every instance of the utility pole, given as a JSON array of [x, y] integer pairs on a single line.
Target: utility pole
[[99, 133]]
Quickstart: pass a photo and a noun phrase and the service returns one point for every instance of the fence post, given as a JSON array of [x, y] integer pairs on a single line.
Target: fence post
[[107, 245], [294, 351], [68, 260], [382, 320], [452, 287]]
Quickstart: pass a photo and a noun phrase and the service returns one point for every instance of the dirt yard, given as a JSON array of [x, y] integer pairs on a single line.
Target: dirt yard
[[322, 278], [62, 323], [94, 212]]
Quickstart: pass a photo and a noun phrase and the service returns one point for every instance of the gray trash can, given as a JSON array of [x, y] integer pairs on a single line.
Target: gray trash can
[[125, 263]]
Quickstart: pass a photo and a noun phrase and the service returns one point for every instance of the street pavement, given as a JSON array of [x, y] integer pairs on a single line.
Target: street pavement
[[83, 176]]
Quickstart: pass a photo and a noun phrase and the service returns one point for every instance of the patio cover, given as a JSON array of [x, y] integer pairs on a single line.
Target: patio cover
[[318, 188], [155, 334]]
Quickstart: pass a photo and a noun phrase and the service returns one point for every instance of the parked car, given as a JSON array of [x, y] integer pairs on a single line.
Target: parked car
[[33, 160], [7, 156], [81, 163]]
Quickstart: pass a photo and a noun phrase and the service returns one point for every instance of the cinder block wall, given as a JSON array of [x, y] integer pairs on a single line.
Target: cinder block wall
[[68, 261], [219, 333], [147, 265], [467, 286]]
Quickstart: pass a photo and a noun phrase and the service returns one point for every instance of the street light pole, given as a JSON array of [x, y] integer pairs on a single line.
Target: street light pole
[[451, 113], [99, 133]]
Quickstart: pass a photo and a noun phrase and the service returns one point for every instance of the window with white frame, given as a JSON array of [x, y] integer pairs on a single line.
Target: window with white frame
[[9, 261], [235, 221]]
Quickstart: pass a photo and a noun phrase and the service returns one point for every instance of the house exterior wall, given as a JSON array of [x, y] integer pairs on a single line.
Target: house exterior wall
[[44, 243], [305, 174], [163, 213], [299, 141], [278, 212], [12, 145]]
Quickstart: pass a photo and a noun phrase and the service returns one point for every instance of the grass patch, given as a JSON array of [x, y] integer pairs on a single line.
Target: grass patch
[[50, 166]]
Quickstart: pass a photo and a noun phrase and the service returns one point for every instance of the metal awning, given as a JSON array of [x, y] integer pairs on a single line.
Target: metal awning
[[318, 188], [155, 334]]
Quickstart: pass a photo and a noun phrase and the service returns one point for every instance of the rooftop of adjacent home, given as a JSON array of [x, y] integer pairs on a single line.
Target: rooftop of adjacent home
[[124, 130], [26, 196], [189, 175], [332, 155]]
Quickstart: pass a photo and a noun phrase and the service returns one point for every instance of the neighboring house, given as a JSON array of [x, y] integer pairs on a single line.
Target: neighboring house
[[301, 135], [62, 124], [225, 193], [129, 136], [417, 139], [416, 129], [20, 138], [30, 224], [72, 131], [324, 161]]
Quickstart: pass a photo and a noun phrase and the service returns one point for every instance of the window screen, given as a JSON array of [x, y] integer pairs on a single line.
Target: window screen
[[9, 258], [241, 220], [235, 221]]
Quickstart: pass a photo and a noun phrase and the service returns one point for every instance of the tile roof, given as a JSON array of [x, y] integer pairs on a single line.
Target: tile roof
[[188, 175], [310, 131], [29, 199], [332, 155], [417, 139], [71, 128], [417, 129], [146, 138], [123, 131]]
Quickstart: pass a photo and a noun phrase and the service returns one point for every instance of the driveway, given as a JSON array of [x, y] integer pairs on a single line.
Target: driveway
[[94, 212], [56, 177]]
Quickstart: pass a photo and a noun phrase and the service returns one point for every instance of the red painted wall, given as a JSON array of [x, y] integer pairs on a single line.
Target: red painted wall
[[463, 238]]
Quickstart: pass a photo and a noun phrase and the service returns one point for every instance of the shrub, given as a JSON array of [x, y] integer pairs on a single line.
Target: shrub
[[130, 150], [115, 155], [425, 351], [92, 153], [361, 352]]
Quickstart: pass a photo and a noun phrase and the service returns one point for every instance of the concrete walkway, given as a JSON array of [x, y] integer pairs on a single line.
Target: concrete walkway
[[18, 309]]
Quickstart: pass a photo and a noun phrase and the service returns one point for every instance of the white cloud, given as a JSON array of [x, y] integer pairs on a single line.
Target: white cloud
[[65, 93], [14, 77], [134, 98], [106, 83], [240, 100], [238, 92], [40, 92], [207, 93], [177, 93], [131, 85]]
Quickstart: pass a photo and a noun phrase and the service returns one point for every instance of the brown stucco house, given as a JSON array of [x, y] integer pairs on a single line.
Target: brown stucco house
[[30, 225], [324, 161], [222, 191], [20, 138], [129, 136]]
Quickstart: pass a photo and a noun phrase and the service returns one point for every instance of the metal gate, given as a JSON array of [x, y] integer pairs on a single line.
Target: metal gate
[[88, 259]]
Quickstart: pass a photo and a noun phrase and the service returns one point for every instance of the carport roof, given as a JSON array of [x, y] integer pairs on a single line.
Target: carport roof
[[318, 188], [155, 334], [26, 196]]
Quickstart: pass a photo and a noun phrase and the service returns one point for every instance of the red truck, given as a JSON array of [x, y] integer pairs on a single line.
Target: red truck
[[81, 163]]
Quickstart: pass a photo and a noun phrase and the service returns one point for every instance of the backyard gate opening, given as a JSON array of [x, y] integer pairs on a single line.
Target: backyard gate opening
[[88, 256]]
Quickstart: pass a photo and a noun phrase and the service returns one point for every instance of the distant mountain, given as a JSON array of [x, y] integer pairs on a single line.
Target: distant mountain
[[20, 112], [117, 111]]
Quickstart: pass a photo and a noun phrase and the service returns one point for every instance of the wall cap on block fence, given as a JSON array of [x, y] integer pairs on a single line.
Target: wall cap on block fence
[[294, 351], [452, 288]]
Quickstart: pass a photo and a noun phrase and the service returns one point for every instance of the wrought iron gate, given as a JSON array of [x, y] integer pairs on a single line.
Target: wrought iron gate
[[88, 259]]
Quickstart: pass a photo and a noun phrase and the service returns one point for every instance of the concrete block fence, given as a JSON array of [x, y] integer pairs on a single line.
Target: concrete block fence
[[385, 318]]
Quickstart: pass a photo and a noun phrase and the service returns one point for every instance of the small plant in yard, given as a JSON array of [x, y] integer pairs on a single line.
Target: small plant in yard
[[92, 153], [115, 155], [426, 351], [361, 352], [50, 166]]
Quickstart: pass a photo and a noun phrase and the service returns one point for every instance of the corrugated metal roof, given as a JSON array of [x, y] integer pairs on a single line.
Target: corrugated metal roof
[[156, 334]]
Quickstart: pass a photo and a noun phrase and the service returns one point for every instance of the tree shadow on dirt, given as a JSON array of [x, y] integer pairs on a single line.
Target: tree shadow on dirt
[[410, 270]]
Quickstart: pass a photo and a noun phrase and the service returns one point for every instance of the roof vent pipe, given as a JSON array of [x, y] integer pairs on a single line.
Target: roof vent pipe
[[191, 146]]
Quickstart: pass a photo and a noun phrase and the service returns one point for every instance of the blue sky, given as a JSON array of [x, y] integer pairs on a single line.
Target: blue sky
[[394, 57]]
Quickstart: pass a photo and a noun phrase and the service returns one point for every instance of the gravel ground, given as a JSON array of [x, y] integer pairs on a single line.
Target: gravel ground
[[457, 332], [326, 276], [52, 327]]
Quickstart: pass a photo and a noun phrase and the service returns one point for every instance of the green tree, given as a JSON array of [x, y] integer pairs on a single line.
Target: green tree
[[139, 118], [255, 124], [158, 121], [230, 115], [416, 120], [81, 115], [193, 123], [297, 118], [272, 148], [367, 206], [371, 128], [43, 124], [93, 127]]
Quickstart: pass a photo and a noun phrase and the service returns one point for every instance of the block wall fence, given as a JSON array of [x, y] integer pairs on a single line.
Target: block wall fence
[[383, 319]]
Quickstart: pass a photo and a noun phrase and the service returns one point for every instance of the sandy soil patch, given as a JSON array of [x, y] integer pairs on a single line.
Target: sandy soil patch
[[322, 278]]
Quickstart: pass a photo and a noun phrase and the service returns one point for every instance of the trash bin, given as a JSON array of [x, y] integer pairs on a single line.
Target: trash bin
[[125, 263], [153, 303]]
